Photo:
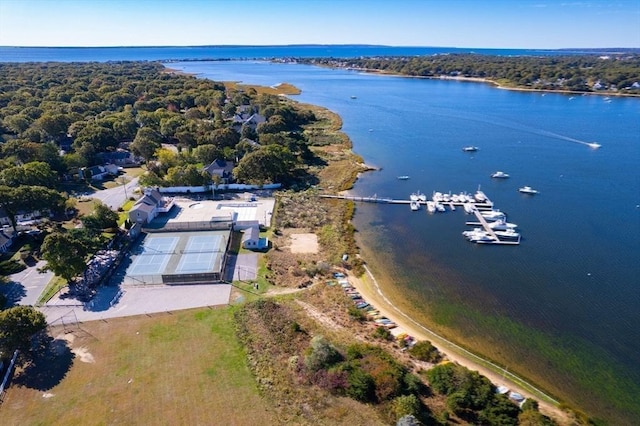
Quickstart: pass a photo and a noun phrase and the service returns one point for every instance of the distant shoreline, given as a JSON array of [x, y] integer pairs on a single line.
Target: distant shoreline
[[493, 83]]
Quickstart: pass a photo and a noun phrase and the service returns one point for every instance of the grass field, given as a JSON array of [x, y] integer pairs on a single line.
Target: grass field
[[167, 369]]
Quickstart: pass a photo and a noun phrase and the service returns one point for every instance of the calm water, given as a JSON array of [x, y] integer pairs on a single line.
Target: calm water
[[562, 307], [103, 54], [565, 302]]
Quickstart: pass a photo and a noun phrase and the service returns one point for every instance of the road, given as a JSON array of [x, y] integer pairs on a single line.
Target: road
[[115, 197], [25, 287]]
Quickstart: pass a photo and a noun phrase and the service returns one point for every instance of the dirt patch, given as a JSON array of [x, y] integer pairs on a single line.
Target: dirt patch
[[304, 243], [81, 353]]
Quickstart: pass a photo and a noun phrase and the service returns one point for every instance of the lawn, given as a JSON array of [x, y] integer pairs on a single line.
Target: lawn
[[180, 368]]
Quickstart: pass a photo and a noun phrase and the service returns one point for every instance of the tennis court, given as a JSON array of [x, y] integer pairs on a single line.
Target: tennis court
[[153, 256], [178, 258], [200, 254]]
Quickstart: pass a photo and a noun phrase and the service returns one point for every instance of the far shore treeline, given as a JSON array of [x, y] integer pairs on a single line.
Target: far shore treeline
[[613, 74]]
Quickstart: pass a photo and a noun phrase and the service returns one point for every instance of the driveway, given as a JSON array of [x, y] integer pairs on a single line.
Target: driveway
[[25, 287], [116, 197]]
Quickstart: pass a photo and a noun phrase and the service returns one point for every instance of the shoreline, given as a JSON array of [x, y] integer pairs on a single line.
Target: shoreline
[[369, 288]]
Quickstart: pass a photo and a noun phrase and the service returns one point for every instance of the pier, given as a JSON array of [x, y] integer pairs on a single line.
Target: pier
[[472, 205]]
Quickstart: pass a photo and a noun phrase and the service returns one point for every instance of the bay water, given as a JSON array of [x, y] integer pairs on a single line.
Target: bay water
[[562, 308]]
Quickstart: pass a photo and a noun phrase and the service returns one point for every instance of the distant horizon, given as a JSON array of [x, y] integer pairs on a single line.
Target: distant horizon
[[602, 48]]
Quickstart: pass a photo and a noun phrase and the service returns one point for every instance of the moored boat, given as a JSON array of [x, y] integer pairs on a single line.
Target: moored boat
[[528, 190], [415, 205], [500, 175], [470, 148]]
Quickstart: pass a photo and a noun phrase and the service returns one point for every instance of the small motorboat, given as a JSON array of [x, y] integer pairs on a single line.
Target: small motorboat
[[403, 177], [528, 190], [470, 148], [415, 206], [500, 175]]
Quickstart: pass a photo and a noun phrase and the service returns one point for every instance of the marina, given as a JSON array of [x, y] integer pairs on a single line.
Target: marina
[[491, 225]]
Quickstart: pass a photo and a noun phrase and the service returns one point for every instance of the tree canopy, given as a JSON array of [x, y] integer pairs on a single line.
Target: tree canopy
[[17, 325]]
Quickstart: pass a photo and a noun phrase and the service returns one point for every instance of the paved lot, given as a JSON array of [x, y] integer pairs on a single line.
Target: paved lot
[[25, 287], [115, 197], [113, 302]]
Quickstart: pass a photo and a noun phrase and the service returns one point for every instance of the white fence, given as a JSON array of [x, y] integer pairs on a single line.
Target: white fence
[[220, 187]]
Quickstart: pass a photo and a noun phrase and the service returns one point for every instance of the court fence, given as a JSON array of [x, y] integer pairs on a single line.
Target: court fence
[[192, 226]]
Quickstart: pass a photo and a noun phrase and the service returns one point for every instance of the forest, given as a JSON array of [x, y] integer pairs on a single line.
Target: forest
[[612, 74]]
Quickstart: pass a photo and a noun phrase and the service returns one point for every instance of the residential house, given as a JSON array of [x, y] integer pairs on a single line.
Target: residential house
[[221, 168], [251, 239], [6, 239], [121, 157], [93, 173], [149, 206]]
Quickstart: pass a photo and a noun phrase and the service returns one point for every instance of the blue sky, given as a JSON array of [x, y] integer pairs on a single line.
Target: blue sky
[[450, 23]]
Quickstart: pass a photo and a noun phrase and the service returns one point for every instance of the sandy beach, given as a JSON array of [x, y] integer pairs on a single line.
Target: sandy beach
[[368, 287]]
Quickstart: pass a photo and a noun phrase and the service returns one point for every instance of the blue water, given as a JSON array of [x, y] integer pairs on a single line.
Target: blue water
[[574, 278], [103, 54]]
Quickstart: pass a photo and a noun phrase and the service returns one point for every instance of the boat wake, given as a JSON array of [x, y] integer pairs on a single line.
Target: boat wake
[[522, 127]]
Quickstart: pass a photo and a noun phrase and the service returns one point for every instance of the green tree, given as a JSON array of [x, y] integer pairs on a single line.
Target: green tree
[[146, 142], [405, 405], [272, 163], [34, 173], [17, 325], [65, 255], [29, 199], [101, 218]]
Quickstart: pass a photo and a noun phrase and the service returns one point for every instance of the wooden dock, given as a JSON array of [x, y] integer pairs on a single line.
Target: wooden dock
[[487, 205], [489, 230]]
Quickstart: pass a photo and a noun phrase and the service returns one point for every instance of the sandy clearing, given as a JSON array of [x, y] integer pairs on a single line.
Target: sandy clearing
[[304, 243]]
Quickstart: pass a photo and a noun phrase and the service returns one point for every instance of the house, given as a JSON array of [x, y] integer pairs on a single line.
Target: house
[[121, 157], [93, 173], [6, 239], [220, 168], [149, 206], [251, 239]]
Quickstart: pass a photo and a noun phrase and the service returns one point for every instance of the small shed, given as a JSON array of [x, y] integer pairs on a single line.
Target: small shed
[[251, 239]]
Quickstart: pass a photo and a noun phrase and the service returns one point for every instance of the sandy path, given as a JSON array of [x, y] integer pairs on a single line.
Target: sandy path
[[368, 287]]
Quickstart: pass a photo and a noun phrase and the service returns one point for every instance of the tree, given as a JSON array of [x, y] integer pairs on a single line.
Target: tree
[[405, 405], [271, 163], [146, 142], [189, 175], [29, 199], [33, 173], [101, 218], [17, 325], [65, 255]]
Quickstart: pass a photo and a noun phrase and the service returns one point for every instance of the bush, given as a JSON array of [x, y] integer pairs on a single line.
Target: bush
[[322, 354], [425, 351], [361, 386], [11, 266], [382, 333], [405, 405]]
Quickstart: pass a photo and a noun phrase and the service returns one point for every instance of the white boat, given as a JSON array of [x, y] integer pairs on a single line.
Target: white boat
[[470, 148], [414, 205], [440, 207], [403, 177], [478, 236], [480, 196], [502, 225], [455, 198], [509, 233], [468, 208], [422, 197], [431, 206], [528, 190], [493, 215], [446, 197], [437, 197], [413, 196], [500, 175]]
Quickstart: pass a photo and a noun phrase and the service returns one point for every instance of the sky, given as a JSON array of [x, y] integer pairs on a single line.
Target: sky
[[522, 24]]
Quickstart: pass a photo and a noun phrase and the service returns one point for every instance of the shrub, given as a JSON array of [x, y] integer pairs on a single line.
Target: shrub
[[361, 386], [425, 351], [322, 354], [382, 333], [405, 405]]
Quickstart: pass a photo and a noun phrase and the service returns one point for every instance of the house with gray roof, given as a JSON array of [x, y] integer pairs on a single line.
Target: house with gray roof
[[222, 169], [149, 206]]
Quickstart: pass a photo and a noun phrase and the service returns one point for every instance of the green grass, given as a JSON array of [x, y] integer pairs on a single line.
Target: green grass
[[51, 289], [180, 368]]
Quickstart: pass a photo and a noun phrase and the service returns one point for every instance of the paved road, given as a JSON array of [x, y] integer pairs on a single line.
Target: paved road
[[115, 197], [25, 287]]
